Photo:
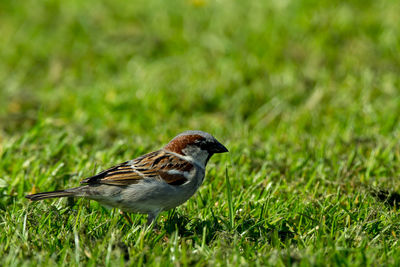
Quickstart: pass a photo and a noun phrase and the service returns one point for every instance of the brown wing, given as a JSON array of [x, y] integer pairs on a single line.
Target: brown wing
[[158, 165], [123, 171]]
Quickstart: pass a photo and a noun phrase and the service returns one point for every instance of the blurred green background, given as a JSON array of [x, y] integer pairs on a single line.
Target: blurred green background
[[305, 94], [240, 66]]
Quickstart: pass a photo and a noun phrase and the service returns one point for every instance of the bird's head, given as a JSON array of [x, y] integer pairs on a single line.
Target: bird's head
[[198, 146]]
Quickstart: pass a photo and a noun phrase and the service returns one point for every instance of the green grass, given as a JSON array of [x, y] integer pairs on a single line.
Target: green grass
[[305, 94]]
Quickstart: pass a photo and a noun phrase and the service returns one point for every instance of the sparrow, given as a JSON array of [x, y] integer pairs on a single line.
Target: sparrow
[[152, 183]]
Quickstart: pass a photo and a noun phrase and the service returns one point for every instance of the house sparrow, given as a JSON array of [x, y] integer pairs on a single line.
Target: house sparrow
[[155, 182]]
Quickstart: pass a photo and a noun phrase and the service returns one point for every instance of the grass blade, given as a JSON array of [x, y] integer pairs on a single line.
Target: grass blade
[[230, 204]]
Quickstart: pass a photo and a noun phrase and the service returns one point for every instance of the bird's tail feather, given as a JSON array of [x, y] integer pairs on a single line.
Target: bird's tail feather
[[53, 194]]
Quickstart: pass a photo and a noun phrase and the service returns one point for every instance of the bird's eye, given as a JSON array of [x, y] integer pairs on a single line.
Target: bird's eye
[[199, 141]]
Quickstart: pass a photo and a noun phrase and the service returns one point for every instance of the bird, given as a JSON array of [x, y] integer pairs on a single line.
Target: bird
[[151, 183]]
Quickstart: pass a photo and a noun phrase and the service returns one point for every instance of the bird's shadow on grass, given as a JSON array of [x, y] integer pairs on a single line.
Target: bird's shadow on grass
[[390, 198], [209, 229], [186, 227]]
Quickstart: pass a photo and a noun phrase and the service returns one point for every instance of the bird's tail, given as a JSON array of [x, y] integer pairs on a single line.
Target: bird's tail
[[53, 194]]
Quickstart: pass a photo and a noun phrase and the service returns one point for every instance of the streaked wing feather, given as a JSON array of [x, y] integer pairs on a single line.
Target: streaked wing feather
[[102, 174], [173, 179], [157, 164]]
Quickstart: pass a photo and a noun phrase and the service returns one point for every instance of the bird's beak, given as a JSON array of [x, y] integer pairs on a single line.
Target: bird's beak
[[219, 148]]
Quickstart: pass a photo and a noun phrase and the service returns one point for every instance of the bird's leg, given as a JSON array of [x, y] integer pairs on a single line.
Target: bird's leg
[[126, 217], [151, 217]]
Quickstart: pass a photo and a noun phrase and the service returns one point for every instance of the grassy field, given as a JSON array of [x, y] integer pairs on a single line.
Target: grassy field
[[305, 94]]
